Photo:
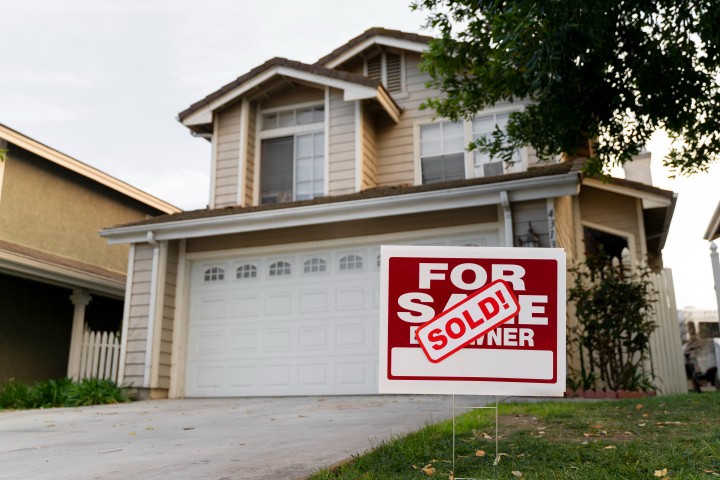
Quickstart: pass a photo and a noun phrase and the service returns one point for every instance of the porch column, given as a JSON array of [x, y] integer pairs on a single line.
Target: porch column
[[716, 271], [80, 299]]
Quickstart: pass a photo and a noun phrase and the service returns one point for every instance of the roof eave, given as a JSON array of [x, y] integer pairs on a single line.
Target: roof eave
[[65, 161], [379, 39], [420, 202], [351, 91]]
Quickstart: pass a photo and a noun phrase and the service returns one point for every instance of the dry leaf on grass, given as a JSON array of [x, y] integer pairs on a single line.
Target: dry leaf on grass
[[429, 470], [609, 447], [639, 406], [480, 453], [516, 474], [660, 473]]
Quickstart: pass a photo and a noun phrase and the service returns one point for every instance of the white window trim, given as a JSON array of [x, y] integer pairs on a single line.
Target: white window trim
[[468, 129], [318, 127]]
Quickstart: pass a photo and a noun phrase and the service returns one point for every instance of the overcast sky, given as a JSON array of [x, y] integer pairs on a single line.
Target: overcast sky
[[104, 80]]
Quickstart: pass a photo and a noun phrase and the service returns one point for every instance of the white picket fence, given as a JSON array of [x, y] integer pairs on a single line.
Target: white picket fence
[[100, 355], [666, 352]]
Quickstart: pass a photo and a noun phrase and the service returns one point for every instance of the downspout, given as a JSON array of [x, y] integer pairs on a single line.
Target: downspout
[[151, 308], [507, 216]]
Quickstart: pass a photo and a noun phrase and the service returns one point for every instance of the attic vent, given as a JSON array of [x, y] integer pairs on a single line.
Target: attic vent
[[374, 68], [393, 77], [387, 69]]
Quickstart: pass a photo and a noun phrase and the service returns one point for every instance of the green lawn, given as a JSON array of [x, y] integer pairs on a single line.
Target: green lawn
[[674, 437]]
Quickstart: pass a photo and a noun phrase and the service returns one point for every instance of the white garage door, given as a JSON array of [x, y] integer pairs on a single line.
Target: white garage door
[[301, 323]]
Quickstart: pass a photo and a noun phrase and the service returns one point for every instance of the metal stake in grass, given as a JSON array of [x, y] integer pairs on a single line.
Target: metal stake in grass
[[496, 462]]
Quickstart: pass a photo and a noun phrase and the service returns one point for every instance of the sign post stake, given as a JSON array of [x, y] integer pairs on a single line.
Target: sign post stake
[[496, 460]]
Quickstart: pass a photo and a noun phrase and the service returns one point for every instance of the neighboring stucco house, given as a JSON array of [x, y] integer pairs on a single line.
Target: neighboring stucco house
[[274, 289], [57, 276]]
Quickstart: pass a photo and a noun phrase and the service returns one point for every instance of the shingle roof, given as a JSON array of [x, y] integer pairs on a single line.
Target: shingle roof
[[548, 170], [276, 62], [375, 31]]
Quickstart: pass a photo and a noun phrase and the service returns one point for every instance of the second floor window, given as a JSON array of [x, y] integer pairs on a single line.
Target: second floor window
[[442, 152], [484, 126], [292, 155]]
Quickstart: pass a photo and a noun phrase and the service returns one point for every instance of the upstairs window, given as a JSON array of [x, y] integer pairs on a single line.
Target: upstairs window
[[484, 126], [293, 117], [292, 155], [386, 68], [442, 152]]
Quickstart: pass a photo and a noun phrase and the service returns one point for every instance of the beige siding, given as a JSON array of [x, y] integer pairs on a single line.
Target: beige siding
[[341, 145], [292, 96], [227, 156], [526, 213], [350, 229], [138, 315], [611, 210], [395, 143], [250, 157], [369, 150], [168, 315]]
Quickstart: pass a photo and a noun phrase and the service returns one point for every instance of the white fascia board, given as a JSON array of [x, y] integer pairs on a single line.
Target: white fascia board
[[392, 42], [85, 170], [649, 199], [352, 91], [448, 199], [55, 275]]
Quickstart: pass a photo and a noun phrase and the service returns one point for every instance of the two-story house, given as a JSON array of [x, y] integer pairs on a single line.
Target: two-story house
[[274, 289]]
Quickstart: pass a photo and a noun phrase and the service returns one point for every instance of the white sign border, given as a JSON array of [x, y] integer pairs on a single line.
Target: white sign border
[[444, 387]]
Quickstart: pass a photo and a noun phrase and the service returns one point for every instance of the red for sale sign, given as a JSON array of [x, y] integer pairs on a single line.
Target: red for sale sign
[[472, 320]]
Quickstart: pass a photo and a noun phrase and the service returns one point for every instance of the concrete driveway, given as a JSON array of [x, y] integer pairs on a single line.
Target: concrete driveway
[[237, 438]]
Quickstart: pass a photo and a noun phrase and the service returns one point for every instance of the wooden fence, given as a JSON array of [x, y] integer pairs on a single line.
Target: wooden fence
[[100, 355], [666, 353]]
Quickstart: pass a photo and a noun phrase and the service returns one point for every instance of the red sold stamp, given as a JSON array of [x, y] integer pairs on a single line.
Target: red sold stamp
[[473, 317]]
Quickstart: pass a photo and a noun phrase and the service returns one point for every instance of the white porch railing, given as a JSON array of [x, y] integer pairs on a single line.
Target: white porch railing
[[100, 355]]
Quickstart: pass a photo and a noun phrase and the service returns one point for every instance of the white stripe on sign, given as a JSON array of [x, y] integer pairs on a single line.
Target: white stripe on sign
[[475, 363]]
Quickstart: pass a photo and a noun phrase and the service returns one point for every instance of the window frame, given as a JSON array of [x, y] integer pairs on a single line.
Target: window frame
[[469, 156], [293, 131]]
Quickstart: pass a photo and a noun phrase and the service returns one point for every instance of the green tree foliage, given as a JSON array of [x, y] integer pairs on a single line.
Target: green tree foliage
[[609, 71]]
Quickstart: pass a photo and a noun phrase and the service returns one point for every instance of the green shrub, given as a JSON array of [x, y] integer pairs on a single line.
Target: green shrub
[[14, 395], [94, 391], [50, 393], [62, 392]]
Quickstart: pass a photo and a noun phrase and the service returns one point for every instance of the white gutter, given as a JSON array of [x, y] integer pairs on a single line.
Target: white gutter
[[420, 202]]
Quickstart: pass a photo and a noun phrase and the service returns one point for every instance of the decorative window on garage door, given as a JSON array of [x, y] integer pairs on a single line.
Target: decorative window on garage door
[[351, 262], [246, 271], [280, 269], [315, 265], [214, 274]]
